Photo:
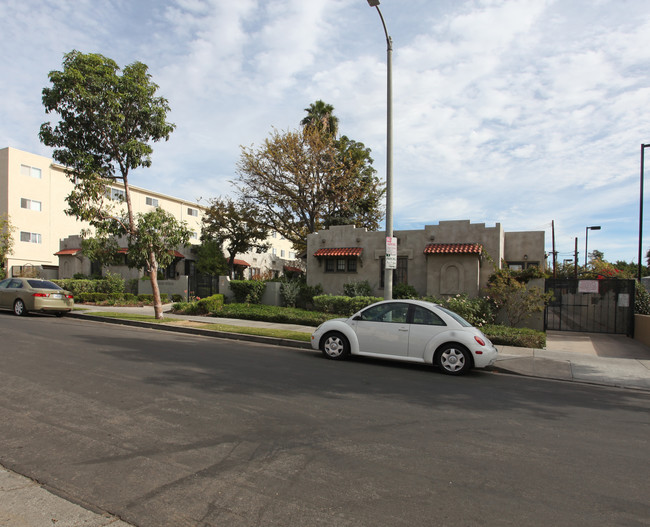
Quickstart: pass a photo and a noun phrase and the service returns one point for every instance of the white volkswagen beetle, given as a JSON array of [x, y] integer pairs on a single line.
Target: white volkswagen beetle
[[407, 330]]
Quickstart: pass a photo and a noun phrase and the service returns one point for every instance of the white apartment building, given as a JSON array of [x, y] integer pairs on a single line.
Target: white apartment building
[[33, 189]]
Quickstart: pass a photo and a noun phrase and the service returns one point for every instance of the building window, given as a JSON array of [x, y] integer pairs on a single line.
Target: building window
[[400, 275], [115, 194], [192, 212], [34, 172], [292, 255], [32, 237], [194, 236], [30, 204], [282, 253], [152, 201], [340, 265], [520, 266], [274, 251]]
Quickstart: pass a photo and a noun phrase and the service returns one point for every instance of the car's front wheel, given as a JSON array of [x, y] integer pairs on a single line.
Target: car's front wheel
[[454, 359], [335, 346], [19, 308]]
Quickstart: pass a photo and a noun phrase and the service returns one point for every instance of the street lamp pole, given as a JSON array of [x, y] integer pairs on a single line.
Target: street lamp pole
[[643, 147], [388, 273], [587, 229]]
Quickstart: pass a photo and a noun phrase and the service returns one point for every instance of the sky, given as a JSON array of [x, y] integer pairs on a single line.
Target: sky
[[518, 112]]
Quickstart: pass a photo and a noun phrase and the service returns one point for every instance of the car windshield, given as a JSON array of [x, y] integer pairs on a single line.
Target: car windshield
[[456, 317], [42, 284]]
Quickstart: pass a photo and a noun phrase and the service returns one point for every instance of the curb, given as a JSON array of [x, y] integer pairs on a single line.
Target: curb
[[259, 339]]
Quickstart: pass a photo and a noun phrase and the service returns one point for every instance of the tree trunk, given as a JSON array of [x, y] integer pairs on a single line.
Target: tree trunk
[[153, 274]]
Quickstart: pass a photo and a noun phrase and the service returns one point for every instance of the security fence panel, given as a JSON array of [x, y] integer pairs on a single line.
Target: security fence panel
[[593, 306]]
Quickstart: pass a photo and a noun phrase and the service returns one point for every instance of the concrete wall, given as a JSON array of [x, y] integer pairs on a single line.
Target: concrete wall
[[170, 287], [642, 329]]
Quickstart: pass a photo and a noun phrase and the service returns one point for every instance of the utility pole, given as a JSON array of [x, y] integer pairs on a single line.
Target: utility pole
[[575, 260], [554, 252]]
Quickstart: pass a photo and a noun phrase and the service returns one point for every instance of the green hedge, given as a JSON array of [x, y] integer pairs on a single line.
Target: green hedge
[[519, 337], [247, 291], [343, 305]]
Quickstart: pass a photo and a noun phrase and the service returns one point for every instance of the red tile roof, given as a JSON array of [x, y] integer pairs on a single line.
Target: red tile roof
[[241, 262], [293, 269], [453, 248], [339, 251], [68, 252]]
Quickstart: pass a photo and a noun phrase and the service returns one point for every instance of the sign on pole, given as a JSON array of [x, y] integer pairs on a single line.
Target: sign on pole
[[391, 252]]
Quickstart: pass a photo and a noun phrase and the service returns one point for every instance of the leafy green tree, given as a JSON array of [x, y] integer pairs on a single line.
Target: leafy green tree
[[236, 226], [6, 242], [107, 121], [158, 231], [301, 184], [210, 259]]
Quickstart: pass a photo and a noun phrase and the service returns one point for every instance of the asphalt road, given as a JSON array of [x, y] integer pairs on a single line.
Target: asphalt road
[[173, 430]]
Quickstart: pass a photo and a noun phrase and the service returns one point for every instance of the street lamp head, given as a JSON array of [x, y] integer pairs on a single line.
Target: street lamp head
[[594, 228], [373, 3]]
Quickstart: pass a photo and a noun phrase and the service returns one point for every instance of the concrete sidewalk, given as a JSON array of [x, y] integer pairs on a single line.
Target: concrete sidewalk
[[608, 360]]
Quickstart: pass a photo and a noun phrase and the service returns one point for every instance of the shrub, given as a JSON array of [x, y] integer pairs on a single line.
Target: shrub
[[520, 337], [404, 291], [111, 283], [514, 298], [641, 299], [307, 294], [247, 291], [343, 305], [177, 298], [147, 299], [477, 311], [290, 291], [353, 289], [210, 304], [283, 315]]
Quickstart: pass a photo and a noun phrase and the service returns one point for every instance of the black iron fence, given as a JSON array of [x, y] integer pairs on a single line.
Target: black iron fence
[[594, 306]]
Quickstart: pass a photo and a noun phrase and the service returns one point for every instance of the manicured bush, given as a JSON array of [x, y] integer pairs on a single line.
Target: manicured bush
[[281, 315], [478, 311], [307, 294], [247, 291], [343, 305], [520, 337], [177, 298], [289, 292], [210, 304], [357, 288], [404, 291], [111, 283]]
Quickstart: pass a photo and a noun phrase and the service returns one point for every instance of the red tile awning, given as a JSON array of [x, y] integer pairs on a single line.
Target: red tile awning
[[293, 269], [241, 262], [453, 248], [339, 251], [68, 252]]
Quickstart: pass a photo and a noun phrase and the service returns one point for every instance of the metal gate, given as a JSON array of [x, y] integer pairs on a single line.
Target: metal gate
[[594, 306]]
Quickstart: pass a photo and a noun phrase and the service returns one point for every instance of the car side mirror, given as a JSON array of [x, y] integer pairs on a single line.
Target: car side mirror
[[357, 317]]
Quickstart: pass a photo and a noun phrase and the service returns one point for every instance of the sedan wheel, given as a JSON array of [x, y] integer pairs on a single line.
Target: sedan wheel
[[19, 308], [335, 346], [454, 360]]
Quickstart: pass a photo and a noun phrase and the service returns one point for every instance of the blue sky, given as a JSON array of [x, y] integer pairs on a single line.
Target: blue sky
[[511, 111]]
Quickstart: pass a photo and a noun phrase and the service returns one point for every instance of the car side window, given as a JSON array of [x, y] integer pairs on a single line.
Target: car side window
[[394, 313], [5, 283], [17, 284], [425, 317]]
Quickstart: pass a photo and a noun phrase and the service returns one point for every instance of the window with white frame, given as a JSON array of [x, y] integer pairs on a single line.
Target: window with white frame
[[274, 251], [26, 170], [30, 204], [194, 236], [192, 212], [32, 237], [152, 201], [115, 194], [292, 255], [282, 253]]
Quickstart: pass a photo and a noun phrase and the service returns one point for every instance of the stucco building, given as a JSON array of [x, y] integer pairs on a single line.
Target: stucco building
[[445, 259], [33, 192]]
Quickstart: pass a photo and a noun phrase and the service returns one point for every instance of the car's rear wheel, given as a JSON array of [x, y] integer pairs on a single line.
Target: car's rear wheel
[[454, 359], [60, 313], [19, 308], [335, 346]]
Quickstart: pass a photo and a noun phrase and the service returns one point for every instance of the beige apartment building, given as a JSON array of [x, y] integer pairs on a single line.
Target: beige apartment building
[[33, 189]]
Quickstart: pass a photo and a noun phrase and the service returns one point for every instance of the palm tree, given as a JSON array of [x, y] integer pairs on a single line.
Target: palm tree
[[321, 117]]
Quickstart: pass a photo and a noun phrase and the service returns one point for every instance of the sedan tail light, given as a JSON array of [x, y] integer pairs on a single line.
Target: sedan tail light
[[41, 294], [69, 296]]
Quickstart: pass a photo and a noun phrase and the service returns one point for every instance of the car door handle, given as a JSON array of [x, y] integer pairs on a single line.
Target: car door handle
[[403, 329]]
